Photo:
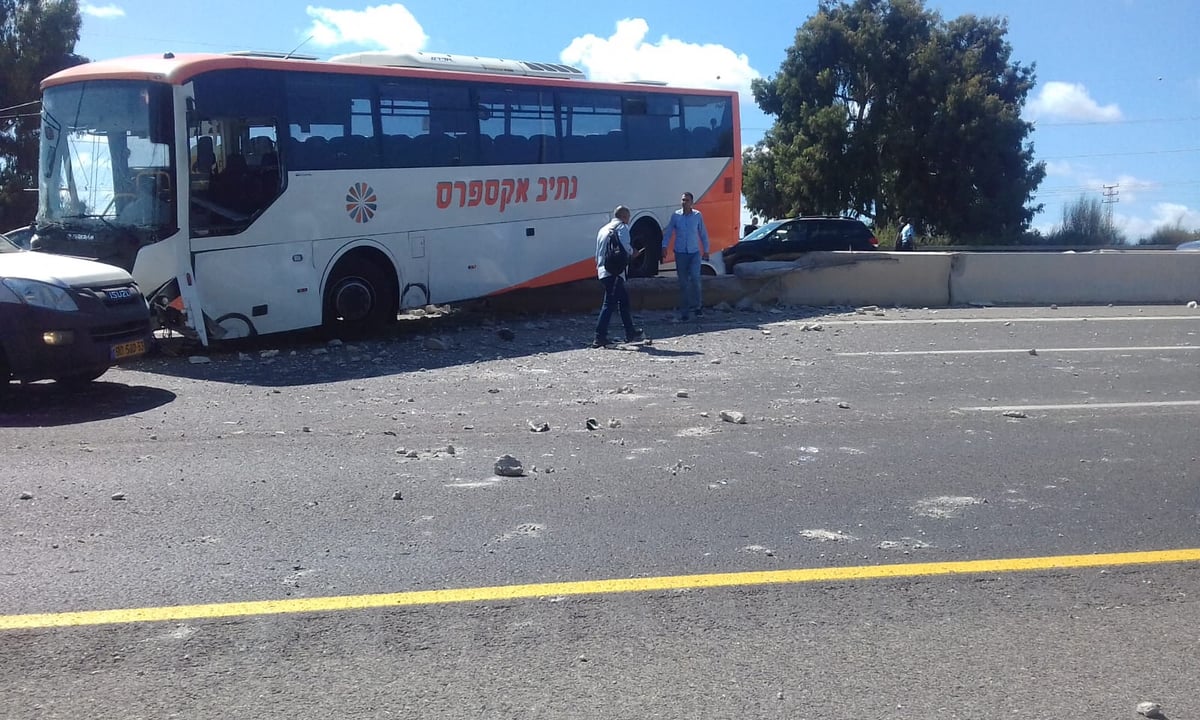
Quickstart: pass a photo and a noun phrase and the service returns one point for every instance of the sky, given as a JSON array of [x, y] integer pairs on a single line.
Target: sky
[[1116, 106]]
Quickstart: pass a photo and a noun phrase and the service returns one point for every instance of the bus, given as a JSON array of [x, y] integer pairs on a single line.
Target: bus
[[251, 193]]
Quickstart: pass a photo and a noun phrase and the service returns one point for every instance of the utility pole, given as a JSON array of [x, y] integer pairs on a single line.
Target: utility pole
[[1111, 195]]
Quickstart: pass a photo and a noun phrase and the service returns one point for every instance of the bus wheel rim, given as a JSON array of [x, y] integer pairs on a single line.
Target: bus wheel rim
[[353, 299]]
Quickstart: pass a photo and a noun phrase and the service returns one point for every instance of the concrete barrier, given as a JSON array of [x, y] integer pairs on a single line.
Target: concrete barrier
[[923, 279], [656, 293], [1126, 276], [907, 279], [852, 278]]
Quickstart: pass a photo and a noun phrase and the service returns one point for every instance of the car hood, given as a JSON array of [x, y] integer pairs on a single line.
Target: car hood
[[743, 245], [60, 269]]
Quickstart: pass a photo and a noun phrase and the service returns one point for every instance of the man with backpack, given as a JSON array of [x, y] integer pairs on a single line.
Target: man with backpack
[[613, 252]]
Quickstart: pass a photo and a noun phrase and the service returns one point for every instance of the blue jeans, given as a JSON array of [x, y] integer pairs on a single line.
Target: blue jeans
[[687, 269], [615, 295]]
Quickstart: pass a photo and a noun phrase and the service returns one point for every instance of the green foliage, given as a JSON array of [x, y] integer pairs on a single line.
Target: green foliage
[[883, 109], [37, 38], [1086, 222], [1171, 235]]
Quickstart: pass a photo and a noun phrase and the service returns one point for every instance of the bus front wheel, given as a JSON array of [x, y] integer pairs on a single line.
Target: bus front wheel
[[360, 297]]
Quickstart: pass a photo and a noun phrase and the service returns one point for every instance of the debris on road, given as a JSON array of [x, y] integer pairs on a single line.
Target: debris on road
[[827, 536], [509, 466], [733, 416]]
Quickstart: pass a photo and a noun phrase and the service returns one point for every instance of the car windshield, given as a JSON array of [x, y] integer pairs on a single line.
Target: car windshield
[[7, 246], [106, 154], [763, 231]]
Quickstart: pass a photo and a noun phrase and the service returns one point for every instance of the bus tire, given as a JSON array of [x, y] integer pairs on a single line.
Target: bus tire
[[643, 237], [360, 297]]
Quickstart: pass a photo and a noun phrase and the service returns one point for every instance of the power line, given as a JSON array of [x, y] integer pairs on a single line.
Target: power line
[[1136, 121], [1120, 154], [18, 107], [1157, 189], [1079, 123]]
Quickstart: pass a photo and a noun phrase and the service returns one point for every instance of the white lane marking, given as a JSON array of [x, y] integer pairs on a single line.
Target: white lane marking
[[965, 321], [1087, 406], [1024, 351]]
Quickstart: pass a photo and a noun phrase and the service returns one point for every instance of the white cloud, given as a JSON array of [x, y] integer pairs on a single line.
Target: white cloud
[[625, 55], [381, 27], [1069, 102], [1163, 215], [1059, 168], [104, 12]]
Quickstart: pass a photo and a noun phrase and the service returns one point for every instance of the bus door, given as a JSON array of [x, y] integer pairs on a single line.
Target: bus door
[[186, 308]]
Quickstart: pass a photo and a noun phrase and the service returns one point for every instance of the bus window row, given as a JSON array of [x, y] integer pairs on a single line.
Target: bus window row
[[442, 149]]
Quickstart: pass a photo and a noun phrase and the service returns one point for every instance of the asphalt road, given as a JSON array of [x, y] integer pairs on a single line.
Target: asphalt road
[[875, 455]]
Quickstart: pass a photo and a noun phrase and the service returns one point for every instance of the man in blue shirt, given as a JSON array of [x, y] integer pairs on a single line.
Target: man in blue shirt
[[908, 235], [686, 233], [616, 296]]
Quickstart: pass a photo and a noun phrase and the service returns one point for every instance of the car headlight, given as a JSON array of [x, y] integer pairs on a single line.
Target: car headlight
[[40, 294]]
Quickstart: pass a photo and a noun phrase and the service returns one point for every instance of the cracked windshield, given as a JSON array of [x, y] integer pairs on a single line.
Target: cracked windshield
[[106, 155]]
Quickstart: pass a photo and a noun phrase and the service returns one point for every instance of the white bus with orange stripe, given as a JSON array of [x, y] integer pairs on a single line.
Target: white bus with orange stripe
[[251, 194]]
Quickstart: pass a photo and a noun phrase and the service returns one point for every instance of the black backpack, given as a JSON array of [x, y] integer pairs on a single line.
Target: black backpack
[[616, 257]]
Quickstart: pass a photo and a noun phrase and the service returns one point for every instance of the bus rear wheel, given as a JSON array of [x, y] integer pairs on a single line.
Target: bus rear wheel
[[360, 298]]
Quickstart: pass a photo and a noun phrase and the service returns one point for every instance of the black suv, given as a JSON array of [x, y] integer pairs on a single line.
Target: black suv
[[789, 239]]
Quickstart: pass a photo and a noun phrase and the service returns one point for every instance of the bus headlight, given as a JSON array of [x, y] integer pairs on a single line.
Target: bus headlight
[[40, 294]]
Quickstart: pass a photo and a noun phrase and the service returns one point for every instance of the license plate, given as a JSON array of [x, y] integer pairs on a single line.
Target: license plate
[[129, 349]]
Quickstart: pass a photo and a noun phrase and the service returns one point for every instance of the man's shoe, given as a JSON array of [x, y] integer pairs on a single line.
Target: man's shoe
[[599, 342], [636, 336]]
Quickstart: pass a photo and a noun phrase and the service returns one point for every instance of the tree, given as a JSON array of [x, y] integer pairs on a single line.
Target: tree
[[883, 109], [1171, 234], [37, 38], [1086, 222]]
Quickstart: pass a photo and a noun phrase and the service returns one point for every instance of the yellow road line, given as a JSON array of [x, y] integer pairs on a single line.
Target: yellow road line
[[587, 587]]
